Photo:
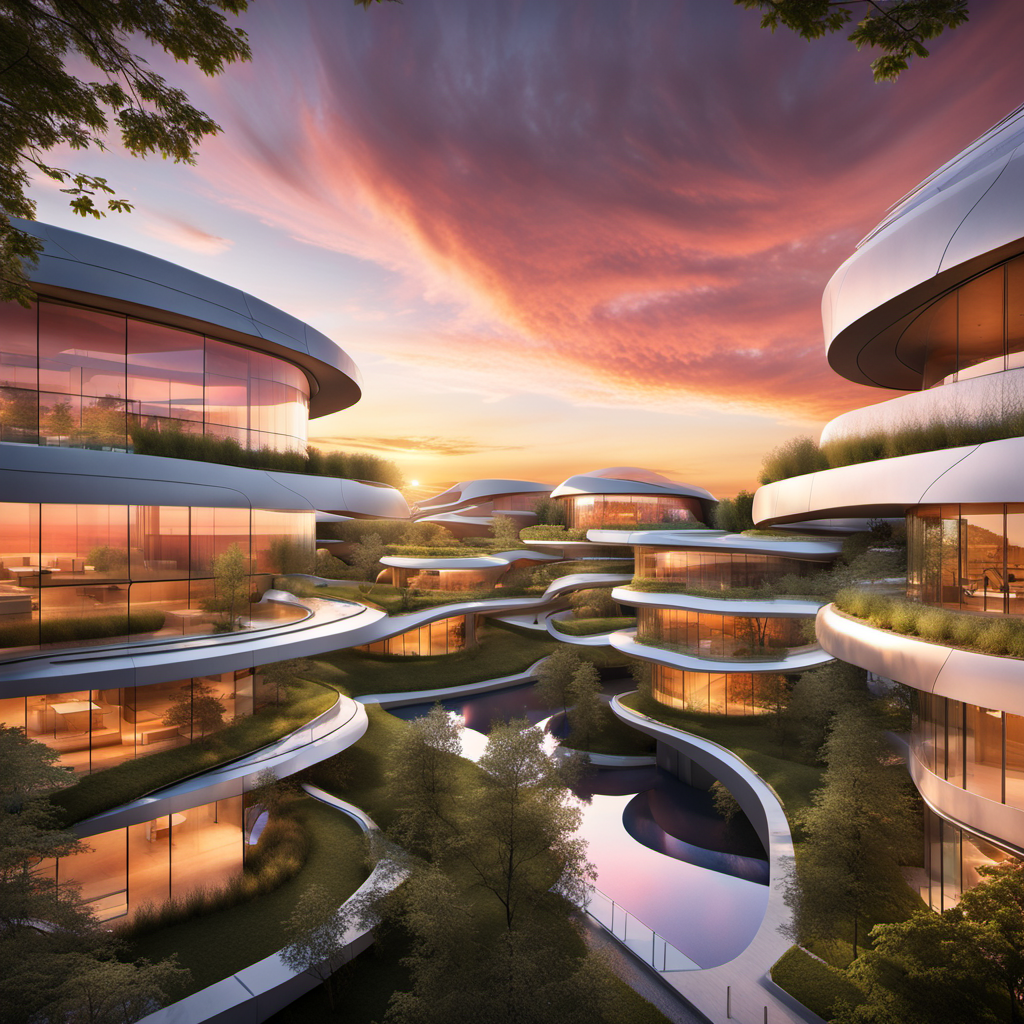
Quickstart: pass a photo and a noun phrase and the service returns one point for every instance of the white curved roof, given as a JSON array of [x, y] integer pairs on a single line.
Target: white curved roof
[[781, 608], [477, 492], [888, 487], [824, 549], [628, 480], [81, 268], [962, 219], [496, 559]]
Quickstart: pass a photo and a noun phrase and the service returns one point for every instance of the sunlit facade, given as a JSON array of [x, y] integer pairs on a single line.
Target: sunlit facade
[[118, 568], [932, 302], [444, 636]]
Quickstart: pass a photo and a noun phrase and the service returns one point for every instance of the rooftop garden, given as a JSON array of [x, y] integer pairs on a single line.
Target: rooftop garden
[[593, 626], [976, 631], [173, 443], [302, 700], [803, 455]]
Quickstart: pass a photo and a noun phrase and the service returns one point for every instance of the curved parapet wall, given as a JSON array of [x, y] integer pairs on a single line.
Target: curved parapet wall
[[889, 487], [964, 219], [116, 478], [774, 608], [80, 268]]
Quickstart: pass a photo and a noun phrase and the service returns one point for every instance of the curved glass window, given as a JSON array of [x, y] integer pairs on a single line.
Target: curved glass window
[[709, 635], [717, 570], [74, 575], [96, 729], [969, 557], [720, 693], [976, 329], [589, 511], [446, 636], [978, 749], [84, 378]]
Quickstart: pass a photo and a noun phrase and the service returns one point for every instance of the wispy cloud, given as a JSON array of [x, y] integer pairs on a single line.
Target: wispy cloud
[[177, 231], [439, 446]]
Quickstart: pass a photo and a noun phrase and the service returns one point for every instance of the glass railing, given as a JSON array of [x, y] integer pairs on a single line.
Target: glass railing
[[638, 938]]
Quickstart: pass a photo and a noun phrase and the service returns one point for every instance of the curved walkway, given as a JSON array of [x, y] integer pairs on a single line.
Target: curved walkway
[[591, 640], [255, 993], [743, 985], [326, 735]]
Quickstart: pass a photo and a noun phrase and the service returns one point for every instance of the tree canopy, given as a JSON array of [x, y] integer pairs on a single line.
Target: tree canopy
[[899, 28], [45, 105]]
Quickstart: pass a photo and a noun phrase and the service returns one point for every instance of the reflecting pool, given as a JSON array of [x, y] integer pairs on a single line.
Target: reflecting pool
[[661, 849]]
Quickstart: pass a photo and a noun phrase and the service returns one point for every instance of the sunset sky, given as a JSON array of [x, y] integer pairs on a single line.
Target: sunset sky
[[557, 236]]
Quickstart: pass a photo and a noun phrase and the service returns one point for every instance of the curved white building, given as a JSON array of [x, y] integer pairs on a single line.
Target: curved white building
[[630, 496], [468, 507], [136, 590], [933, 301]]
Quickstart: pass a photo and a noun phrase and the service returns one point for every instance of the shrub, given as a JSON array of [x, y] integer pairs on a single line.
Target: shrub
[[75, 629], [795, 457], [174, 443]]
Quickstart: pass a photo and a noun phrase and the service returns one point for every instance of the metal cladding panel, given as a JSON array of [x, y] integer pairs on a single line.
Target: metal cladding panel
[[995, 220], [905, 253], [87, 269]]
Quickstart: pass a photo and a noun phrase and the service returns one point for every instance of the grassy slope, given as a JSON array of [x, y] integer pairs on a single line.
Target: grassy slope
[[95, 793], [594, 626], [613, 736], [215, 945], [502, 651]]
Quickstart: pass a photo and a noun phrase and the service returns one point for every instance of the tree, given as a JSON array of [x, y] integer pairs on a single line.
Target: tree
[[520, 830], [997, 907], [55, 964], [196, 706], [814, 700], [282, 674], [316, 937], [596, 603], [771, 694], [554, 677], [551, 512], [925, 969], [421, 773], [735, 514], [505, 531], [860, 828], [104, 990], [899, 28], [585, 713], [45, 105], [230, 571], [366, 555], [58, 420]]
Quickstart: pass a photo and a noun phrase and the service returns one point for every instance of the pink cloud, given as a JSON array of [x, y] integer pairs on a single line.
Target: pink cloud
[[613, 202]]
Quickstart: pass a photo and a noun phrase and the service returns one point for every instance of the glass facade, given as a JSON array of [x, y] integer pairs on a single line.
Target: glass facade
[[82, 378], [446, 636], [969, 557], [709, 635], [978, 749], [717, 570], [976, 329], [101, 574], [586, 511], [952, 858], [720, 693], [448, 579], [157, 860], [94, 729]]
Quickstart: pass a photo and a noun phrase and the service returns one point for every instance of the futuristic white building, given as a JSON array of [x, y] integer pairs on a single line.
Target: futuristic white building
[[468, 508], [136, 589], [629, 496], [933, 301]]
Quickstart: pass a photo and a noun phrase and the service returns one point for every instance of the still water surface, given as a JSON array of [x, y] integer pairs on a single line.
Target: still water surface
[[661, 850]]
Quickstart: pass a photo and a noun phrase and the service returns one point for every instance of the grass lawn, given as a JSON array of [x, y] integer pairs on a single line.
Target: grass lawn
[[593, 627], [129, 780], [502, 651], [215, 945], [818, 986]]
